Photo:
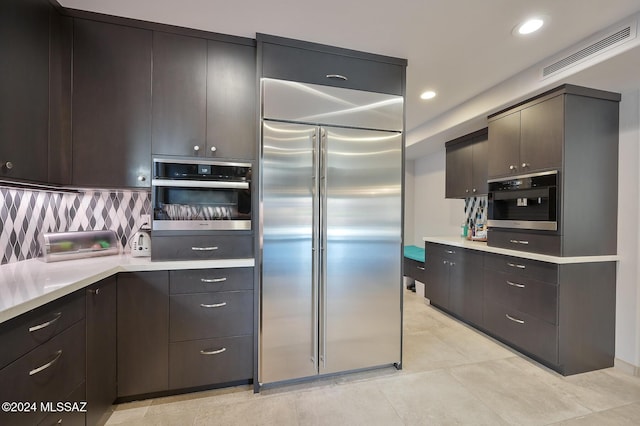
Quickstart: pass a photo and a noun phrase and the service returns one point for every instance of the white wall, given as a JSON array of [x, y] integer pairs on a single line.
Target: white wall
[[628, 282], [434, 215]]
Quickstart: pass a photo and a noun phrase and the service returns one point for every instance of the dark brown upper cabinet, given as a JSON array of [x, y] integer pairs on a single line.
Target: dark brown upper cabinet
[[111, 105], [527, 140], [466, 166], [24, 89], [204, 97], [306, 62]]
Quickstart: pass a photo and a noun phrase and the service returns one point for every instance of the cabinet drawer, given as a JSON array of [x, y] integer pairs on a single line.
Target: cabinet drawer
[[206, 362], [453, 253], [21, 334], [414, 269], [311, 66], [527, 295], [522, 330], [210, 280], [520, 267], [51, 370], [209, 315], [196, 247], [66, 418], [533, 243]]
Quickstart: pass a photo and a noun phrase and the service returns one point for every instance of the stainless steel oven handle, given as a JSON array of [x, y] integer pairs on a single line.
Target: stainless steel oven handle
[[204, 248]]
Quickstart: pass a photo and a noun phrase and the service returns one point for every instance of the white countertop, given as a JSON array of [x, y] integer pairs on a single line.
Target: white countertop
[[482, 246], [32, 283]]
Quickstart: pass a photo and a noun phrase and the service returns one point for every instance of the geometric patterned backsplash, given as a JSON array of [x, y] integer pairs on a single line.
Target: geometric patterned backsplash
[[25, 214], [475, 209]]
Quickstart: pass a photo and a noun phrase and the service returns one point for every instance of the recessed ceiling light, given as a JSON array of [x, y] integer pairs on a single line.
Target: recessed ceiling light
[[529, 26], [429, 94]]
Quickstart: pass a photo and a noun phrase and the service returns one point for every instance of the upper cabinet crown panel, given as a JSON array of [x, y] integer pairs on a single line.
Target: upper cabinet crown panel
[[294, 60]]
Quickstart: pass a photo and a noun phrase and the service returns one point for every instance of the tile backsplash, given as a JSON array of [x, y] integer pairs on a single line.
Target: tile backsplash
[[25, 214], [475, 209]]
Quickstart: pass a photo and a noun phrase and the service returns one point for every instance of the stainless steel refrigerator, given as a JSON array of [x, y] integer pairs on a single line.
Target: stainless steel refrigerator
[[331, 222]]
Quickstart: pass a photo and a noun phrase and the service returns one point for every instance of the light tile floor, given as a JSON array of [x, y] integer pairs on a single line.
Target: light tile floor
[[452, 375]]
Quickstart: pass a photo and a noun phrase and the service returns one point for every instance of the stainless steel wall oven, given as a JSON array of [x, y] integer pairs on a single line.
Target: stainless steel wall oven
[[524, 202], [191, 194]]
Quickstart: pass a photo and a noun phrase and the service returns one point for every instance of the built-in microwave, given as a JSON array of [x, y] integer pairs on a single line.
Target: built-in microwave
[[524, 202], [189, 194]]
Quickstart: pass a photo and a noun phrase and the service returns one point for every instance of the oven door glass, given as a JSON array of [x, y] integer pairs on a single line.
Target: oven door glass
[[198, 205]]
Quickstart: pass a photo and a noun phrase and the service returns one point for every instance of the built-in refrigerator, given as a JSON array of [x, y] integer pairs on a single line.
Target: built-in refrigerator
[[331, 230]]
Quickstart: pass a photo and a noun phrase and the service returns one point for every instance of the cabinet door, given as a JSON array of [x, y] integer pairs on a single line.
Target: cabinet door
[[504, 145], [111, 105], [466, 288], [231, 100], [458, 171], [480, 166], [437, 280], [179, 94], [312, 66], [542, 135], [24, 89], [143, 332], [101, 350]]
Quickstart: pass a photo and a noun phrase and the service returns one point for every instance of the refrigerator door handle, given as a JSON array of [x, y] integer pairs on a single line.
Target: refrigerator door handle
[[314, 250], [323, 244]]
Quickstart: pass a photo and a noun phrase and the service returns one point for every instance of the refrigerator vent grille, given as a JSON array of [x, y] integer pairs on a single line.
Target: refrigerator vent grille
[[612, 39]]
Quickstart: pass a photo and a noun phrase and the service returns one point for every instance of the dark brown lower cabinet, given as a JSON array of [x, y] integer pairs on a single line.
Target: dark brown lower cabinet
[[101, 350], [73, 416], [143, 333], [454, 280]]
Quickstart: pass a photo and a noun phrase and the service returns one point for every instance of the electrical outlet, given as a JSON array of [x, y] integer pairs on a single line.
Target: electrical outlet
[[145, 220]]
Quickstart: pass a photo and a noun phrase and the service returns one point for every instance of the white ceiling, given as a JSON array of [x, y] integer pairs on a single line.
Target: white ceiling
[[459, 48]]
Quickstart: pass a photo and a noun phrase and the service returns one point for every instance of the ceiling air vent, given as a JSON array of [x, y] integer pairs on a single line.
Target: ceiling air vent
[[592, 48]]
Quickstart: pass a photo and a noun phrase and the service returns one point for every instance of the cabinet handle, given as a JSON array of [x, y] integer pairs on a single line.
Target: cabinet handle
[[525, 165], [519, 321], [141, 178], [96, 291], [420, 267], [215, 305], [449, 251], [338, 76], [204, 248], [47, 365], [452, 263], [512, 284], [213, 280], [444, 262], [474, 190], [196, 148], [57, 316], [214, 149], [466, 190], [519, 241], [215, 352], [8, 165], [515, 265], [512, 167]]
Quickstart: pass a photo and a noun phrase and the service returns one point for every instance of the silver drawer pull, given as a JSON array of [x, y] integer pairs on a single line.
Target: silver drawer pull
[[519, 241], [449, 251], [512, 284], [47, 365], [420, 267], [213, 280], [216, 352], [215, 305], [57, 316], [204, 248], [338, 76], [519, 321], [515, 265]]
